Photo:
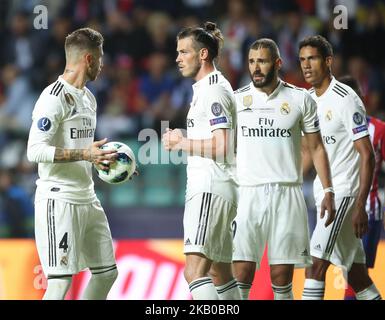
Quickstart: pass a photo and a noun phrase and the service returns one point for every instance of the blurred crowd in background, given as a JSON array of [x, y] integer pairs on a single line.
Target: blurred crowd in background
[[139, 85]]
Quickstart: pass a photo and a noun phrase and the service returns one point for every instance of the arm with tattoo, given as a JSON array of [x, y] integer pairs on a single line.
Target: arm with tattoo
[[70, 155], [93, 154]]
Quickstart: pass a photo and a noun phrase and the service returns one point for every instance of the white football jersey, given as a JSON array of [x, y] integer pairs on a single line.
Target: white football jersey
[[342, 120], [212, 107], [64, 117], [269, 133]]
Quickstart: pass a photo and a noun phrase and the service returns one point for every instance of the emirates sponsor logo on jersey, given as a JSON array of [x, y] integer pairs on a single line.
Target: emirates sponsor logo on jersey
[[265, 129], [82, 133], [329, 139], [190, 123], [87, 131], [265, 132]]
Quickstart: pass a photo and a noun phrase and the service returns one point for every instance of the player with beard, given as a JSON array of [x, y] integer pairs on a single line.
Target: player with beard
[[71, 228], [272, 115]]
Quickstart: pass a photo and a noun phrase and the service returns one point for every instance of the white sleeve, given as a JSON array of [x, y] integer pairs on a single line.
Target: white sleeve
[[46, 118], [353, 117], [310, 121], [219, 106]]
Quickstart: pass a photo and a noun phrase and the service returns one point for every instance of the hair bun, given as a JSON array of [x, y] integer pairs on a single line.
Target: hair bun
[[210, 26]]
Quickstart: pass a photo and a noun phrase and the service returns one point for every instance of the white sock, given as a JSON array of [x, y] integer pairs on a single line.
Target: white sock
[[244, 289], [229, 291], [100, 283], [283, 292], [57, 287], [370, 293], [203, 289], [313, 290]]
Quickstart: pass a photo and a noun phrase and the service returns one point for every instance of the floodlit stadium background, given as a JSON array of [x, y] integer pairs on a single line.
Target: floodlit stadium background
[[140, 86]]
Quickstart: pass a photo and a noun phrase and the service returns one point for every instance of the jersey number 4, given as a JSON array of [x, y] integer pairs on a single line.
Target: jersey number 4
[[64, 242]]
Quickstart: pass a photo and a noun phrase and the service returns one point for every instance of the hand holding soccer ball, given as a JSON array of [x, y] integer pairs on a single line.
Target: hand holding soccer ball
[[119, 165]]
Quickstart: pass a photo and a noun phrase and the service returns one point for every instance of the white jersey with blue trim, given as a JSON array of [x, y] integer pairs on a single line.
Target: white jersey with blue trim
[[269, 133], [212, 108], [63, 117], [342, 119]]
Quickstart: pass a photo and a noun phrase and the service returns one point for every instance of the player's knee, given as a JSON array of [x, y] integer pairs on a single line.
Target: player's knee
[[214, 274], [220, 273], [191, 274], [318, 269], [57, 288], [112, 275], [107, 277], [281, 276], [358, 278], [244, 272]]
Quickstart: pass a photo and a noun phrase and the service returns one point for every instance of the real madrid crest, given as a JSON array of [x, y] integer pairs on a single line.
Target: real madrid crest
[[285, 109], [64, 261], [328, 115], [247, 101], [69, 99]]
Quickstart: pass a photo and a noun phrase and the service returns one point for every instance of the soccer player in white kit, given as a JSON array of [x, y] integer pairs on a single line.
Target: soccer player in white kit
[[272, 115], [345, 134], [71, 228], [211, 191]]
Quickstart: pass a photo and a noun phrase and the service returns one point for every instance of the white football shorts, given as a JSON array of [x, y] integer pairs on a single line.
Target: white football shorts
[[337, 243], [276, 215], [71, 237], [207, 226]]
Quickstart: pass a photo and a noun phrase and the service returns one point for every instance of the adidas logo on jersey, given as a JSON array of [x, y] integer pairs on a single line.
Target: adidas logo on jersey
[[318, 247], [187, 242], [304, 253]]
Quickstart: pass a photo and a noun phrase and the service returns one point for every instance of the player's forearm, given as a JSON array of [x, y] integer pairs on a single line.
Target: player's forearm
[[307, 161], [71, 155], [367, 163], [207, 148], [322, 166]]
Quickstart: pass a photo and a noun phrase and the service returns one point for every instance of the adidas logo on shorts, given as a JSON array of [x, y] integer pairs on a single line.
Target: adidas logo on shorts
[[187, 242], [318, 247], [304, 253]]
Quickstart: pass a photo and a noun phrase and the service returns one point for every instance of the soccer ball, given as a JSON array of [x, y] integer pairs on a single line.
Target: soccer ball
[[124, 166]]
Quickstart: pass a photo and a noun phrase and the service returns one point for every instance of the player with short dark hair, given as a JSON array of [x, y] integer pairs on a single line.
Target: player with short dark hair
[[345, 134], [71, 228], [211, 191]]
